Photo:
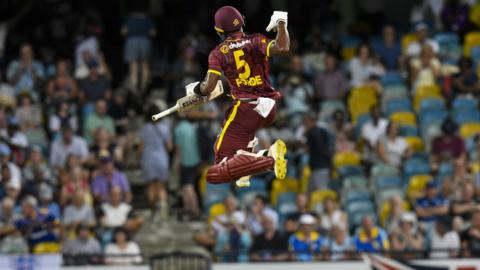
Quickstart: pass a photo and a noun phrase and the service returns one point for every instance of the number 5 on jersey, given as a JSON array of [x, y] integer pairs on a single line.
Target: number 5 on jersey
[[244, 77]]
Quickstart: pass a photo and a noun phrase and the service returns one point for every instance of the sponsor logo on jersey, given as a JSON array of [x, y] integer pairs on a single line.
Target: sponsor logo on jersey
[[236, 22], [251, 81], [236, 45], [224, 49]]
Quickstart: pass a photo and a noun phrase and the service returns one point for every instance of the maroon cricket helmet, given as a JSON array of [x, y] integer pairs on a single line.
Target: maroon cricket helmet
[[228, 19]]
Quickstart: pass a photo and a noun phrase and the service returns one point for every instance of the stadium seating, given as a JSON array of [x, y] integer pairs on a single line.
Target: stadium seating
[[467, 130], [415, 143], [397, 105], [472, 39], [404, 118], [318, 196], [346, 158], [215, 211], [406, 40], [417, 185]]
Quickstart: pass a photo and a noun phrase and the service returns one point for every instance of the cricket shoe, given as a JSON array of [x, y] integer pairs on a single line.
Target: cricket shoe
[[243, 182], [278, 151]]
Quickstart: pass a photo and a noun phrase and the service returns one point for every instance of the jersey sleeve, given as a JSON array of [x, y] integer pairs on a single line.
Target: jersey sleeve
[[262, 44], [214, 63]]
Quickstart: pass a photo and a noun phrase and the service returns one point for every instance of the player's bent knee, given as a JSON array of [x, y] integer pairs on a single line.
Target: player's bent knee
[[218, 174]]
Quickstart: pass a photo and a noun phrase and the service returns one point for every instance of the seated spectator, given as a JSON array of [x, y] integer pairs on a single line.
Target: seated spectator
[[11, 242], [397, 209], [72, 181], [373, 131], [104, 142], [471, 236], [302, 202], [98, 119], [444, 242], [14, 172], [317, 140], [94, 87], [25, 73], [107, 178], [332, 216], [63, 116], [466, 82], [414, 48], [7, 94], [259, 210], [463, 209], [118, 110], [453, 184], [78, 213], [370, 238], [332, 82], [117, 213], [343, 132], [448, 146], [407, 237], [84, 249], [123, 251], [234, 241], [66, 145], [28, 114], [270, 245], [364, 67], [392, 148], [389, 50], [425, 69], [306, 244], [340, 244], [36, 168], [46, 204], [298, 94], [62, 87], [432, 206], [36, 227]]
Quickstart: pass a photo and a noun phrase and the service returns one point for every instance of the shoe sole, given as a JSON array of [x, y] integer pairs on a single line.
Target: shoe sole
[[280, 166]]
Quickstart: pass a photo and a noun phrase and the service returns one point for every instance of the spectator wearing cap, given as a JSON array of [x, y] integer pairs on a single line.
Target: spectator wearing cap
[[270, 245], [307, 244], [84, 249], [332, 82], [259, 210], [35, 226], [432, 206], [25, 73], [94, 87], [98, 119], [444, 242], [415, 47], [407, 237], [370, 238], [107, 178], [68, 144], [448, 146], [389, 50], [9, 169]]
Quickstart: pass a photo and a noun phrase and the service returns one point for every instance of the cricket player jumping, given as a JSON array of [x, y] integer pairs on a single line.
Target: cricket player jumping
[[243, 59]]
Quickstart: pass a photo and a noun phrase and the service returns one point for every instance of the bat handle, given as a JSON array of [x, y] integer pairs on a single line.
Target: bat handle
[[157, 116]]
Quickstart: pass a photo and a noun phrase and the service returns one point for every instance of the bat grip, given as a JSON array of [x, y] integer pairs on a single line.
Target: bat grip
[[157, 116]]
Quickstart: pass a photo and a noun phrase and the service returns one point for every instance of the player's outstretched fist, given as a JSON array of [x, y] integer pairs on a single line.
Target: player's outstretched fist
[[277, 17]]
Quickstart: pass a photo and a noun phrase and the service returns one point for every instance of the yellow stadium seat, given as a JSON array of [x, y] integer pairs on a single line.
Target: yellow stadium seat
[[417, 185], [406, 40], [319, 196], [472, 39], [305, 180], [475, 167], [288, 184], [363, 92], [215, 211], [48, 247], [469, 129], [428, 89], [386, 210], [404, 118], [348, 53], [415, 143], [346, 158]]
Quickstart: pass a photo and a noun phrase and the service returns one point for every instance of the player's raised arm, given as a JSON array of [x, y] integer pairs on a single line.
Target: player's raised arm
[[278, 23]]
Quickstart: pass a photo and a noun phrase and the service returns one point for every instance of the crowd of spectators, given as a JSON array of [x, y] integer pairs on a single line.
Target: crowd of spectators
[[70, 135]]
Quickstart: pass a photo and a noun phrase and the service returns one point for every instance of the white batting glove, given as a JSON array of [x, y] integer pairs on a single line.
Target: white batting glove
[[277, 16], [189, 88]]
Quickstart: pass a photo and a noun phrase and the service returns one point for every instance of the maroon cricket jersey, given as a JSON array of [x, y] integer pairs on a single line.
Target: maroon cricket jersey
[[243, 59]]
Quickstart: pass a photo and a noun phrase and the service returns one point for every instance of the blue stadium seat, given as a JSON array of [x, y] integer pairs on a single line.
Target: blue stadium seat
[[464, 103], [388, 181], [286, 197], [381, 169], [445, 169], [432, 116], [475, 55], [355, 206], [218, 188], [386, 193], [398, 105], [406, 130], [462, 116], [361, 120], [392, 78], [356, 195], [446, 38], [415, 166], [346, 171], [432, 104], [355, 182]]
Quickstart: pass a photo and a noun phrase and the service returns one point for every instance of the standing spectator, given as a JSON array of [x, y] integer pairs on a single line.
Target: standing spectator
[[107, 179], [26, 72], [370, 238], [332, 216], [259, 210], [364, 67], [389, 50], [306, 244], [66, 145], [448, 146], [414, 48], [392, 148], [84, 249], [432, 206], [62, 87], [270, 245], [466, 81], [155, 145], [318, 145], [188, 157], [332, 82], [98, 119], [455, 16], [407, 237], [138, 29], [123, 251], [444, 242]]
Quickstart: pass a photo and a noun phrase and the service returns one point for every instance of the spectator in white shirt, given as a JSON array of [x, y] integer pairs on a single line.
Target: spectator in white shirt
[[364, 66], [392, 148], [15, 181], [414, 48], [123, 251], [444, 243], [66, 145], [372, 131]]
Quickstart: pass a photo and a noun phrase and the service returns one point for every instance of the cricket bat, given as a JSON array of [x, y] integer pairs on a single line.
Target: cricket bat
[[188, 102]]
